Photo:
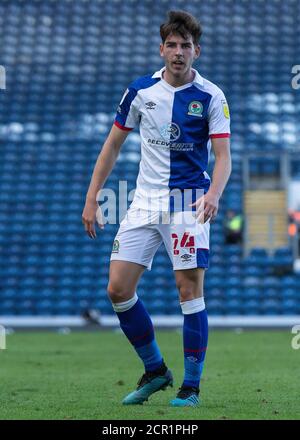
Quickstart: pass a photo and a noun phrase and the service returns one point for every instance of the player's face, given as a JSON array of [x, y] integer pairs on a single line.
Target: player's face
[[179, 54]]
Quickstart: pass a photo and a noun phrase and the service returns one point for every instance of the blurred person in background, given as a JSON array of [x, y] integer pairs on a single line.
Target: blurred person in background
[[233, 227]]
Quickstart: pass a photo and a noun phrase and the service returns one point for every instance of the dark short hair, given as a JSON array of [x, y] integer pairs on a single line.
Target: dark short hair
[[182, 23]]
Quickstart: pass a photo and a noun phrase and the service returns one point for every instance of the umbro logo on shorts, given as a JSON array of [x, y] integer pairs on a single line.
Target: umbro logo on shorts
[[150, 105], [186, 257]]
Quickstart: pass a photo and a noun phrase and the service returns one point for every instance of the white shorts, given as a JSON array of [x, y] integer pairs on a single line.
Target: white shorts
[[141, 233]]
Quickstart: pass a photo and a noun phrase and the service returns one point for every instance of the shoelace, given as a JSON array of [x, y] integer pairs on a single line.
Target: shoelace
[[185, 392], [145, 379]]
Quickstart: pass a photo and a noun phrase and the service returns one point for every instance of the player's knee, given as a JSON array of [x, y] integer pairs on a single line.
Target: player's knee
[[117, 293], [186, 294], [189, 291]]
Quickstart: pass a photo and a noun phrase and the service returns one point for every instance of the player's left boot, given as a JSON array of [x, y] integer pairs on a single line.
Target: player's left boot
[[148, 384], [186, 396]]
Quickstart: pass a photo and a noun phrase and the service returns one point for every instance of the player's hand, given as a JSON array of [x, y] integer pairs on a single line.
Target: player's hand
[[207, 207], [91, 212]]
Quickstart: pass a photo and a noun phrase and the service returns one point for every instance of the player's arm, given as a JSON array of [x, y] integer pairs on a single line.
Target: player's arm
[[219, 133], [208, 205], [221, 173], [103, 167]]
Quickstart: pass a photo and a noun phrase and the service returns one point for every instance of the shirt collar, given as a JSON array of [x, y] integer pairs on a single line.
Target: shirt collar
[[198, 79]]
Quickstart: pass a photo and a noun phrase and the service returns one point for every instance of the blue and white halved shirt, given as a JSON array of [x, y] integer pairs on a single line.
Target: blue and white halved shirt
[[176, 125]]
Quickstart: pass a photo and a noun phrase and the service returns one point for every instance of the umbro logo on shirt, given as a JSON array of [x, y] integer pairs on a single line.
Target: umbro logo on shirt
[[150, 105]]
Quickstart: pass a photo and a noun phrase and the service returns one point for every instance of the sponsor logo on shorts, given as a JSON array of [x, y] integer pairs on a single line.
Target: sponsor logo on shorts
[[186, 258], [116, 247]]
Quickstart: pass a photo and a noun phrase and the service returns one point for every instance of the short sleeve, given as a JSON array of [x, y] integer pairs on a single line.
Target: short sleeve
[[127, 116], [219, 117]]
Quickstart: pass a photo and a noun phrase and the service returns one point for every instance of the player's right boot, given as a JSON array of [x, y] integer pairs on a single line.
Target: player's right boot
[[149, 383], [186, 396]]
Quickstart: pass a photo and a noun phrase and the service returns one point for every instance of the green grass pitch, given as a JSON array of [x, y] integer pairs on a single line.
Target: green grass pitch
[[85, 375]]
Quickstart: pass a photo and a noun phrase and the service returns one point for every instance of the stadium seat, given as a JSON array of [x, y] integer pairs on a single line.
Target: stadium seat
[[56, 112]]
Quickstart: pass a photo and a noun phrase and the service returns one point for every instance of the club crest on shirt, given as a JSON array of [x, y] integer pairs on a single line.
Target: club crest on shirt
[[116, 246], [195, 109]]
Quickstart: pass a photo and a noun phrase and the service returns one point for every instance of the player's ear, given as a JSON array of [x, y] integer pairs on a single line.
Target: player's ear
[[197, 51], [161, 48]]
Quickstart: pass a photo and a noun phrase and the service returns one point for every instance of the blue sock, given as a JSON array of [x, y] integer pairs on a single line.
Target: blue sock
[[195, 337], [137, 326]]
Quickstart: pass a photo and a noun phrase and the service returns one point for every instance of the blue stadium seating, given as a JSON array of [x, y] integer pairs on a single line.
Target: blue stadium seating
[[67, 69]]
